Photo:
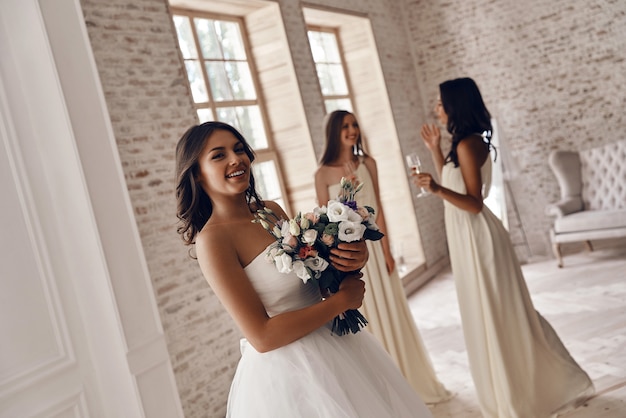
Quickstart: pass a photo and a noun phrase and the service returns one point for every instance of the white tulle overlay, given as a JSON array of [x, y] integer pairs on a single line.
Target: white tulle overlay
[[319, 375], [519, 365], [386, 308]]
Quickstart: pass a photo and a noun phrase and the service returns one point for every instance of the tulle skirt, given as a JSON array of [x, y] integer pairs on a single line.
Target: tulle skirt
[[322, 375]]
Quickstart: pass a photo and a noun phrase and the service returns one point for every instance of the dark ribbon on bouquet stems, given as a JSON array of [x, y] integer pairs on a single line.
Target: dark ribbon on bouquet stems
[[351, 320]]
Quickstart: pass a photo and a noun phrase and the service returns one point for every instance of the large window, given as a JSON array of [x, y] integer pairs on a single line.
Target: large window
[[223, 85], [350, 78], [330, 69]]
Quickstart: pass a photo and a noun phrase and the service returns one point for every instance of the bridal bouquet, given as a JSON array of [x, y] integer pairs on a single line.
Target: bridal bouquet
[[303, 244]]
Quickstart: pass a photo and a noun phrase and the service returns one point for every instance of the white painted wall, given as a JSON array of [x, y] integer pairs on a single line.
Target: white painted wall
[[78, 323]]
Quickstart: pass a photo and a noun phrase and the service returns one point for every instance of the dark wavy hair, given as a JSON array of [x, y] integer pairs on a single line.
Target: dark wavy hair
[[194, 207], [467, 113], [332, 131]]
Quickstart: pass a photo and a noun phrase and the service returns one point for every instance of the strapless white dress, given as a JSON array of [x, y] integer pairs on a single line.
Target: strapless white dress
[[319, 375]]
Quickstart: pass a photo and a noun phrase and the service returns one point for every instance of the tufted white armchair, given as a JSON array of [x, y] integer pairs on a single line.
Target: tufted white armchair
[[593, 195]]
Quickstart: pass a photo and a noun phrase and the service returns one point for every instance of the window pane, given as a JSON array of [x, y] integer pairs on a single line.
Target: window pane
[[338, 104], [205, 115], [317, 48], [196, 81], [247, 119], [185, 37], [331, 49], [332, 79], [229, 115], [232, 44], [267, 183], [230, 81], [324, 47], [220, 86], [209, 44], [240, 80]]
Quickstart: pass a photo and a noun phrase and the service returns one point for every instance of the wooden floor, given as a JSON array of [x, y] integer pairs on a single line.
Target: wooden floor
[[586, 304]]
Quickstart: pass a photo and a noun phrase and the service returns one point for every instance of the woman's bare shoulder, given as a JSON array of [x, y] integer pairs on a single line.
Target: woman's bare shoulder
[[369, 162], [214, 237], [473, 147], [323, 175]]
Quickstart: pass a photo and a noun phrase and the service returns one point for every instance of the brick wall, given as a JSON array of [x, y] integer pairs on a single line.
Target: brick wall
[[551, 75]]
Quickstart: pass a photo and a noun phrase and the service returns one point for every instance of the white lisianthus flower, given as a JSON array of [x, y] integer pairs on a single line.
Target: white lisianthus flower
[[309, 236], [320, 210], [271, 254], [316, 263], [351, 231], [354, 216], [283, 263], [294, 228], [337, 211], [301, 271], [304, 223]]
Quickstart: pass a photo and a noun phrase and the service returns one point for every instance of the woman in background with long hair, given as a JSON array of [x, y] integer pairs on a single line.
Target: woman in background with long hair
[[519, 366], [385, 305]]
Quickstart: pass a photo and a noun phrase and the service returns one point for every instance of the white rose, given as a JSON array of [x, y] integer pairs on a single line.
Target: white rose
[[351, 231], [301, 271], [283, 263], [337, 211], [309, 236], [316, 263]]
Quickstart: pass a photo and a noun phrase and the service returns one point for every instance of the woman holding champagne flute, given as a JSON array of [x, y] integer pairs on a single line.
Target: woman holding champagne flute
[[519, 366]]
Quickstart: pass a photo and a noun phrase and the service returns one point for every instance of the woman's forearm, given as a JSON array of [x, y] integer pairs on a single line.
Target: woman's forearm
[[462, 201]]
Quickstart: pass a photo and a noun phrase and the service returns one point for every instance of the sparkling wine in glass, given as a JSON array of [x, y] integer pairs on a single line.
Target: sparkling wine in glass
[[415, 165]]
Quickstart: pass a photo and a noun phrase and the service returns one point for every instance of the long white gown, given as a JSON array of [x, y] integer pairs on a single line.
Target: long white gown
[[320, 375], [387, 310], [519, 366]]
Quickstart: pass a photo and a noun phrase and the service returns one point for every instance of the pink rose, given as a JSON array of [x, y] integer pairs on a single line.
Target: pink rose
[[312, 217], [365, 214], [328, 239]]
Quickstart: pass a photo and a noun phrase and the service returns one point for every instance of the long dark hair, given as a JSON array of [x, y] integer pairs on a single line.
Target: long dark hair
[[194, 207], [467, 113], [332, 130]]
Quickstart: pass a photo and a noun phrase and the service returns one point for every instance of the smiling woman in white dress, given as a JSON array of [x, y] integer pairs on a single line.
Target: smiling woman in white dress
[[291, 364], [519, 366]]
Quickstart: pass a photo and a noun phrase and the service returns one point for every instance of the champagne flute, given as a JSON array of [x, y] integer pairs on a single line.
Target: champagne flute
[[415, 165]]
